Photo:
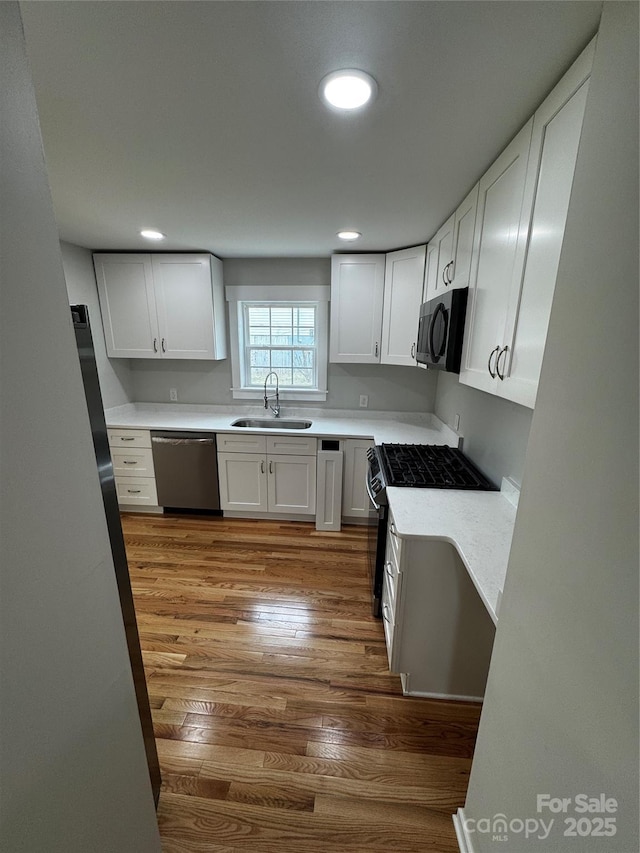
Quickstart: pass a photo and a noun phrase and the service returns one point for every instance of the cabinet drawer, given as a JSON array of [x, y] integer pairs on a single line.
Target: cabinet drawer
[[237, 442], [129, 438], [136, 490], [292, 445], [389, 623], [394, 543], [391, 576], [134, 462]]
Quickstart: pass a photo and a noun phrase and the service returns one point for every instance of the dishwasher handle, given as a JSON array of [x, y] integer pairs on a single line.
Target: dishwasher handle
[[157, 439]]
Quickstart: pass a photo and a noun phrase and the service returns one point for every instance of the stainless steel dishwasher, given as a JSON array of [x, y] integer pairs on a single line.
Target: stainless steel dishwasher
[[186, 469]]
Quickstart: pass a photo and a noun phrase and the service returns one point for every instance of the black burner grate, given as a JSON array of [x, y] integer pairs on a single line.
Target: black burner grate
[[431, 466]]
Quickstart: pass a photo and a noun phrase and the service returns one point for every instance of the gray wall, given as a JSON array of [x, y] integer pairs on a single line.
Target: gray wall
[[561, 709], [495, 431], [73, 772], [389, 388], [116, 383]]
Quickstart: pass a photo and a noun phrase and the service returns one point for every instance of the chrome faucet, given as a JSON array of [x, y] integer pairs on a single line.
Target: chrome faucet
[[275, 409]]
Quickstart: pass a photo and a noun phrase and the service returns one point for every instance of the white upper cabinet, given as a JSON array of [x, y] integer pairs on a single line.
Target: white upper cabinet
[[557, 127], [404, 275], [464, 221], [357, 287], [450, 250], [522, 209], [437, 275], [127, 304], [498, 256], [162, 306]]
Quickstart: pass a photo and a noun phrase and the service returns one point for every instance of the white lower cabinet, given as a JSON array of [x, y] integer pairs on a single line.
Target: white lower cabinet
[[356, 505], [133, 467], [438, 633], [267, 474]]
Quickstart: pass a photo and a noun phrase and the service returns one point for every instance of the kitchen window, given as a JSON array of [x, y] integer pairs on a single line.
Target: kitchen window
[[285, 335]]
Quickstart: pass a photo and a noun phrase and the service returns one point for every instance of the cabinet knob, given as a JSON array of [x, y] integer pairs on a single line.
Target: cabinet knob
[[493, 352], [376, 349]]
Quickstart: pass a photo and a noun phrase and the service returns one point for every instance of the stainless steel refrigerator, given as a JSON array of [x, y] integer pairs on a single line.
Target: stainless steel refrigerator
[[80, 315]]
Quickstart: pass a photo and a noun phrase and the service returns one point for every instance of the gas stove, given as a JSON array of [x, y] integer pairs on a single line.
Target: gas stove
[[422, 466]]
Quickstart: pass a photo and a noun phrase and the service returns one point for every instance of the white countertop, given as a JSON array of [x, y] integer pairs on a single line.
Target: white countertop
[[478, 524], [405, 427]]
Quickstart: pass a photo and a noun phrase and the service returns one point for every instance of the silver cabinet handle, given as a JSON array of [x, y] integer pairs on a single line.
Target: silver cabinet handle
[[388, 567], [127, 438], [262, 466], [493, 352], [413, 350], [376, 349], [271, 466], [128, 462], [164, 349], [134, 491], [385, 608], [392, 529], [502, 352], [155, 345]]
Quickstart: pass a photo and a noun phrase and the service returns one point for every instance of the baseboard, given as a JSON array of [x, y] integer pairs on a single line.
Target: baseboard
[[464, 842], [269, 516], [407, 690], [147, 510]]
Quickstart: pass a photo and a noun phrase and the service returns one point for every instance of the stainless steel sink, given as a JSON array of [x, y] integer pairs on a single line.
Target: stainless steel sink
[[271, 423]]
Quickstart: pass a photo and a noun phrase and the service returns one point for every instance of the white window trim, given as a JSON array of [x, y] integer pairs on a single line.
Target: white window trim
[[319, 295]]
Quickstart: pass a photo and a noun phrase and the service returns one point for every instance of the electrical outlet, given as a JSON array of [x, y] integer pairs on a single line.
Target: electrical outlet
[[173, 395], [456, 422], [364, 401]]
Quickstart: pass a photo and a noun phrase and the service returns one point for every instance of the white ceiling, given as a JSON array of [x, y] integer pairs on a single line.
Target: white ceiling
[[202, 119]]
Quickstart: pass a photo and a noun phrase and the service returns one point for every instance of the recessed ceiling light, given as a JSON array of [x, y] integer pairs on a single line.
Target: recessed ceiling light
[[152, 234], [348, 89], [349, 235]]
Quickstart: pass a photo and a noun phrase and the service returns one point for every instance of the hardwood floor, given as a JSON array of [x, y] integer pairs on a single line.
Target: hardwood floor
[[278, 724]]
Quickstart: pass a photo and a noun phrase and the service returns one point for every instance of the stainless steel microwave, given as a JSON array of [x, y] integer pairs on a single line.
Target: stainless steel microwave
[[440, 330]]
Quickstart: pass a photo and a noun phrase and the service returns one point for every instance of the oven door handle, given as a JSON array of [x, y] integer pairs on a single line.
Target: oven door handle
[[369, 492]]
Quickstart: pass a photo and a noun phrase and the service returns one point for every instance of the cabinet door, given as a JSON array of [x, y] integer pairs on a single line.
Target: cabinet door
[[557, 127], [403, 280], [464, 222], [243, 481], [430, 272], [355, 500], [357, 287], [498, 259], [444, 242], [292, 484], [182, 285], [127, 304]]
